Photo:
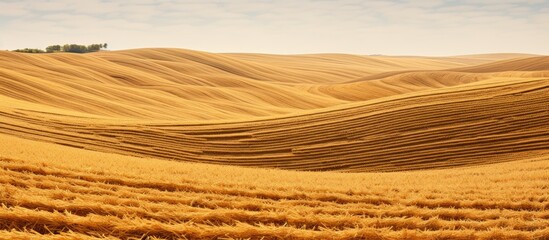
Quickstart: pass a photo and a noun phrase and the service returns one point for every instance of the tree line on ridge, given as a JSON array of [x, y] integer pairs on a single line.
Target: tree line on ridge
[[72, 48]]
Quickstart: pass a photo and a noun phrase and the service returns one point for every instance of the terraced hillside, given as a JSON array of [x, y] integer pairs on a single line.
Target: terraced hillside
[[85, 141]]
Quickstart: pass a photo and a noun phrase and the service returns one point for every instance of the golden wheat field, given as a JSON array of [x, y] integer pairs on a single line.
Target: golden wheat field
[[182, 144]]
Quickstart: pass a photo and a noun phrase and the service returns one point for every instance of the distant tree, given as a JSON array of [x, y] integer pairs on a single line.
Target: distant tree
[[104, 45], [53, 48], [66, 48], [95, 47], [75, 48]]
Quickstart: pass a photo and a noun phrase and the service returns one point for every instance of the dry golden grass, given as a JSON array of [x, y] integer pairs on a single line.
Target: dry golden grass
[[85, 139], [52, 189]]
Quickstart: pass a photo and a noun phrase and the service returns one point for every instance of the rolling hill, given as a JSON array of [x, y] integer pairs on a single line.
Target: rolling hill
[[138, 143]]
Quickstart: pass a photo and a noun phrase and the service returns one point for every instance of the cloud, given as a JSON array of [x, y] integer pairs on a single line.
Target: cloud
[[428, 27]]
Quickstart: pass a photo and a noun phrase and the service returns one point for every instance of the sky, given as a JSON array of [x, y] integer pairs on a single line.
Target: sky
[[389, 27]]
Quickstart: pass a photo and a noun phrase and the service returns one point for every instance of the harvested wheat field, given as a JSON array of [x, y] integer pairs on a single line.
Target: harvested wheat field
[[182, 144]]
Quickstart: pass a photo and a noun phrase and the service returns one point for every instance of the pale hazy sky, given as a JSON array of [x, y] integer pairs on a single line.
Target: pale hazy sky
[[393, 27]]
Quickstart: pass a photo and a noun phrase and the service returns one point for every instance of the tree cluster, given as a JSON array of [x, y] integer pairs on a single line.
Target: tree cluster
[[76, 48], [73, 48]]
